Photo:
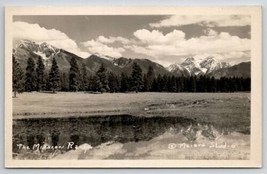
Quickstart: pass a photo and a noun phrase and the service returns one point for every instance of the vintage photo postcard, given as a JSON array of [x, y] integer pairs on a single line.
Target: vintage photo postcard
[[133, 87]]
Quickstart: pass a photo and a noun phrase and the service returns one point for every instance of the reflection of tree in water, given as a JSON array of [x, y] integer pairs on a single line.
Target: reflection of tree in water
[[30, 141], [55, 137], [93, 130], [40, 139]]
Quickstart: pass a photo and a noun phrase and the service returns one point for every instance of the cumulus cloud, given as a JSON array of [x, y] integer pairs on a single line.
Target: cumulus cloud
[[237, 54], [210, 32], [38, 34], [157, 37], [109, 40], [102, 45], [155, 44], [94, 46], [211, 21], [205, 55]]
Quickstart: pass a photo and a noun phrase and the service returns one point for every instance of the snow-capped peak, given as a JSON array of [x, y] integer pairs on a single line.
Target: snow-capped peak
[[198, 66], [44, 45], [44, 49], [104, 57], [26, 44], [174, 67], [212, 64]]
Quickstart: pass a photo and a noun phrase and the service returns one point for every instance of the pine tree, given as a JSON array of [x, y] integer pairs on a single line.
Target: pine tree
[[146, 85], [124, 82], [160, 83], [185, 82], [40, 79], [247, 84], [64, 82], [181, 83], [84, 80], [154, 86], [213, 84], [169, 84], [54, 77], [136, 78], [200, 84], [164, 83], [178, 84], [102, 75], [172, 84], [113, 82], [150, 77], [94, 83], [30, 79], [240, 84], [46, 76], [224, 84], [17, 77], [192, 82], [74, 75], [208, 84]]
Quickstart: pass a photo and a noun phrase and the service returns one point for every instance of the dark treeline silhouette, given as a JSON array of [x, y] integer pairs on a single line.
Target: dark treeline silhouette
[[36, 78]]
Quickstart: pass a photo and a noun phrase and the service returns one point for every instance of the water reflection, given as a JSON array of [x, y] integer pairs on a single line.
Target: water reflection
[[92, 130]]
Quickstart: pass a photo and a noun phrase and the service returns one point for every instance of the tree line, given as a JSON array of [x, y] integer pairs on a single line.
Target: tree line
[[36, 78]]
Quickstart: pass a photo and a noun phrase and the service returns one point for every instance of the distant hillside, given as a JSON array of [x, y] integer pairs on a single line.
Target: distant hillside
[[240, 70], [126, 65], [190, 66]]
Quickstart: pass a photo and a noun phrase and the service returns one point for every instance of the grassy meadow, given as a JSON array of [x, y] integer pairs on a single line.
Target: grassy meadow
[[231, 109], [134, 125]]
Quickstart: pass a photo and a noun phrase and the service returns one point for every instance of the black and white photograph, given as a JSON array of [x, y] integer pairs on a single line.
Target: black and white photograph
[[108, 86]]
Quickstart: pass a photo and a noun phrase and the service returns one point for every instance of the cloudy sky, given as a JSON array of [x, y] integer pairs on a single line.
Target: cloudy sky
[[163, 39]]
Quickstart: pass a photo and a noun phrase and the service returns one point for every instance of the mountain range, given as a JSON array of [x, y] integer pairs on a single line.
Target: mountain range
[[190, 66]]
